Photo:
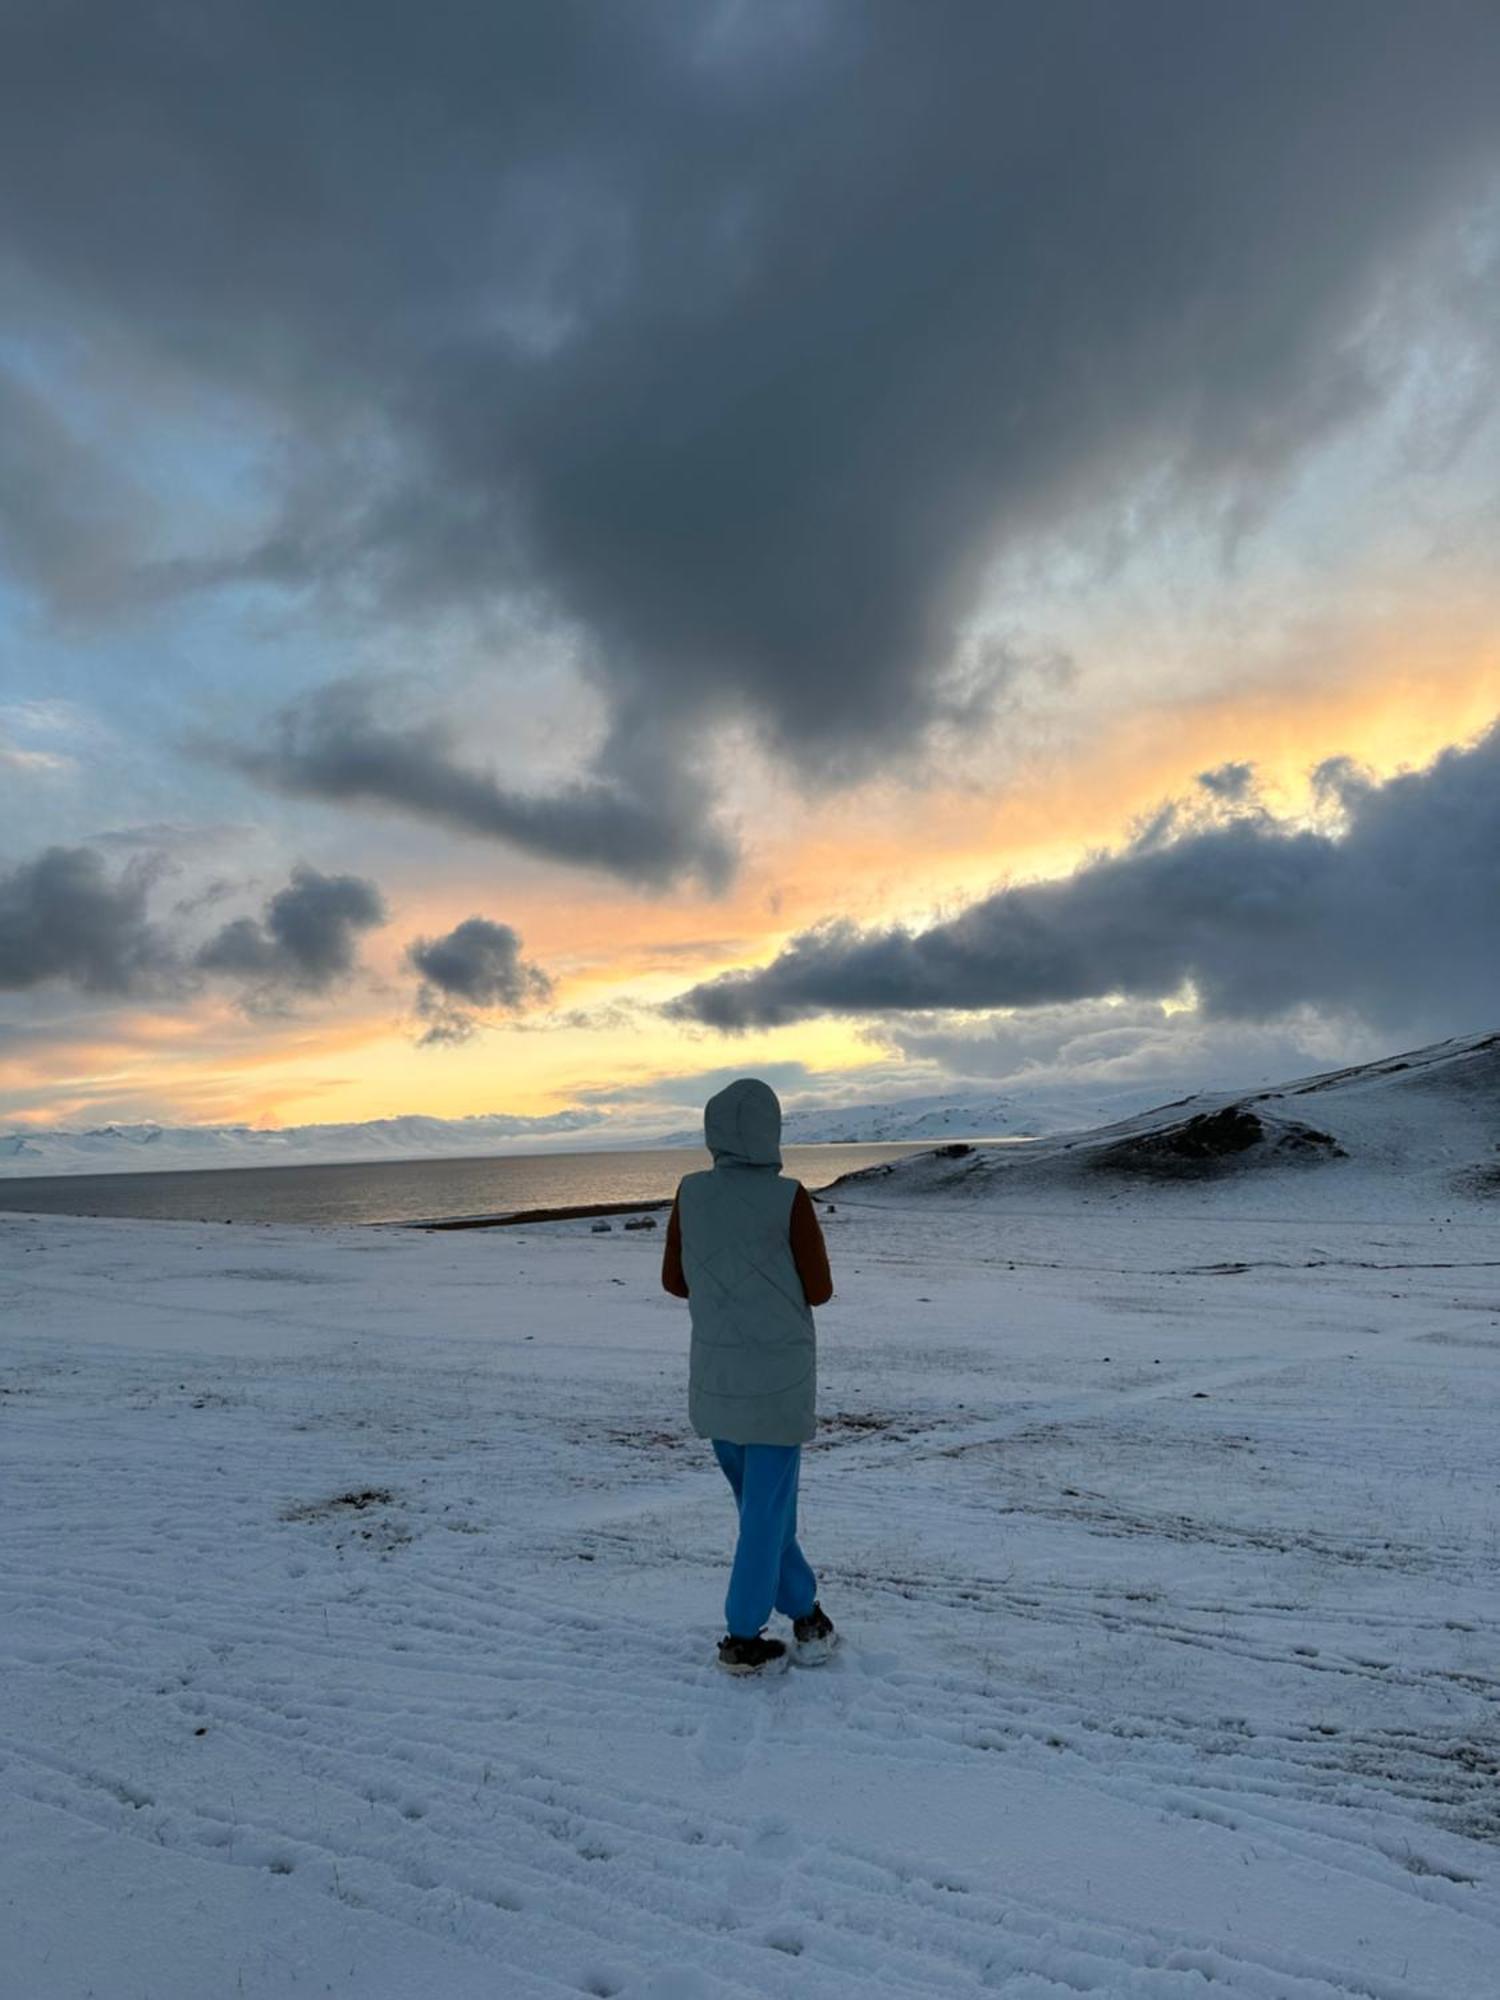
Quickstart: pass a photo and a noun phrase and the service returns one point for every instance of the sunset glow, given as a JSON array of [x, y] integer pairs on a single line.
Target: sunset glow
[[696, 569]]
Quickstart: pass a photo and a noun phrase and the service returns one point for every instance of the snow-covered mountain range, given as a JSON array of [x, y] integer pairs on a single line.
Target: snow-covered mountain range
[[123, 1149], [119, 1149], [1067, 1130]]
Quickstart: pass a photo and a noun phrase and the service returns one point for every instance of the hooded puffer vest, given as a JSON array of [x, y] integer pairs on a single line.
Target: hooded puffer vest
[[753, 1372]]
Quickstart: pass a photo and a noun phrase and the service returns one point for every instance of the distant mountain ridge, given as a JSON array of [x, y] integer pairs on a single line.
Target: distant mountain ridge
[[146, 1148], [1142, 1143]]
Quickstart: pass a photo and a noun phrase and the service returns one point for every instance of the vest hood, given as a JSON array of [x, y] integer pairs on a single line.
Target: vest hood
[[742, 1125]]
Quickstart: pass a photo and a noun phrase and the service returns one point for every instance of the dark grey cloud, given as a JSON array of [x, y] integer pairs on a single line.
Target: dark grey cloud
[[647, 821], [736, 339], [1228, 781], [306, 940], [1227, 792], [475, 968], [65, 917], [1395, 919]]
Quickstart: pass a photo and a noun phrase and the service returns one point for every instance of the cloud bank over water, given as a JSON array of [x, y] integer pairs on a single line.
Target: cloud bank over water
[[1394, 919]]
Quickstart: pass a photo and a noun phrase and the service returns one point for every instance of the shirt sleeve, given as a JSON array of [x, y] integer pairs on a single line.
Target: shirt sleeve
[[809, 1252], [672, 1276]]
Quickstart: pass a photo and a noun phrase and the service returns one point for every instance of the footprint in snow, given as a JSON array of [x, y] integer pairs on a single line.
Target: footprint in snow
[[875, 1665], [603, 1981], [774, 1840], [722, 1745], [792, 1942], [731, 1727], [752, 1886], [672, 1982]]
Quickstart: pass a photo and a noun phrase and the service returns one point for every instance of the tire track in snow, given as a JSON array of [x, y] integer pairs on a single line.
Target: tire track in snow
[[847, 1917], [550, 1684], [651, 1700]]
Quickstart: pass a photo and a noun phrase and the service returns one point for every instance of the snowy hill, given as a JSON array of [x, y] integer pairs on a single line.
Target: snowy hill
[[1430, 1118]]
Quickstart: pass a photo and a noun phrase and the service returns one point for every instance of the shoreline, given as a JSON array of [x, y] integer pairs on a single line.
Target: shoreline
[[580, 1211], [427, 1193]]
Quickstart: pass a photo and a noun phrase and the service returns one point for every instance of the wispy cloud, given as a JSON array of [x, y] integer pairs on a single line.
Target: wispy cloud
[[649, 825], [42, 763]]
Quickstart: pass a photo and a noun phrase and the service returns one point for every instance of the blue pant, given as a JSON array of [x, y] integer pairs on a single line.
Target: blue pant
[[769, 1568]]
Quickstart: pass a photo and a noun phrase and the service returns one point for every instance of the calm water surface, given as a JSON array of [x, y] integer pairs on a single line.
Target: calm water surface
[[405, 1190]]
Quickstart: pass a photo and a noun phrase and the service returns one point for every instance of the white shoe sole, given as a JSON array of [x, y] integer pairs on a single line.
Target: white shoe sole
[[814, 1652]]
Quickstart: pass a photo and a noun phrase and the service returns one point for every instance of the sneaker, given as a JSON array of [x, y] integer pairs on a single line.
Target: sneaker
[[815, 1637], [751, 1656]]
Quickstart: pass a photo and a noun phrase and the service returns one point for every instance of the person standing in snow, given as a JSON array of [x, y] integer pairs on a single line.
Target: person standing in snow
[[744, 1249]]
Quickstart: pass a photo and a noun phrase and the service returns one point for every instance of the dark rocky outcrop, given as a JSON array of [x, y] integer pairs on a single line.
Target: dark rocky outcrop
[[1213, 1142]]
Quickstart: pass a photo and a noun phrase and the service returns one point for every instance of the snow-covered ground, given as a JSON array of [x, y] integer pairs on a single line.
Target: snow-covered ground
[[358, 1593]]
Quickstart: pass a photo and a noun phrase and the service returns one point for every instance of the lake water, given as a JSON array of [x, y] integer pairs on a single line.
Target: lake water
[[406, 1190]]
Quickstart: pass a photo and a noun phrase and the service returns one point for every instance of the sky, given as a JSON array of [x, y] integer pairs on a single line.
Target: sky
[[552, 554]]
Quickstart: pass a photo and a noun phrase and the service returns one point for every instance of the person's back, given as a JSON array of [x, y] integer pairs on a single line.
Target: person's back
[[753, 1369], [744, 1248]]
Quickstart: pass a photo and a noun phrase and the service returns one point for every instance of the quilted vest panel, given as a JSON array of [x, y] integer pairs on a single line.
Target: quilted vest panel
[[753, 1373]]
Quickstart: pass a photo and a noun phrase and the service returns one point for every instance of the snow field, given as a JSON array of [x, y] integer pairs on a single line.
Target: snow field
[[359, 1591]]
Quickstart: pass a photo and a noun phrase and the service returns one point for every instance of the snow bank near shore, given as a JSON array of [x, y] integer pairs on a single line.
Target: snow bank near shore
[[359, 1589]]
